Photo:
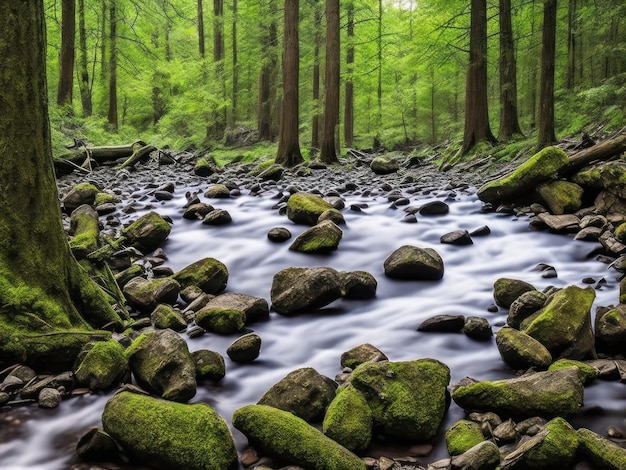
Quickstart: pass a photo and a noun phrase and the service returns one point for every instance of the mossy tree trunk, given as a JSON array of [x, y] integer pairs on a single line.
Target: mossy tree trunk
[[48, 305], [546, 135]]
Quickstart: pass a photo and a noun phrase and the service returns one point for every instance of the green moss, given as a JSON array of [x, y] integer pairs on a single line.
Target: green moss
[[148, 232], [602, 452], [620, 233], [521, 351], [84, 224], [348, 419], [561, 196], [462, 436], [106, 198], [103, 366], [322, 238], [305, 208], [506, 291], [172, 435], [208, 274], [221, 320], [165, 316], [209, 365], [585, 371], [283, 435]]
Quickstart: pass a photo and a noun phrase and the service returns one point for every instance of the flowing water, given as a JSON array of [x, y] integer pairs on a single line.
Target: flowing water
[[31, 438]]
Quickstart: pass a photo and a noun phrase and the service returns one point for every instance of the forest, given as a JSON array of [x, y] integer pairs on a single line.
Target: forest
[[206, 75]]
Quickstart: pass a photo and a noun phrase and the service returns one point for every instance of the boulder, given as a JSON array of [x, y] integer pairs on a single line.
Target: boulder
[[443, 324], [385, 164], [303, 392], [321, 238], [457, 237], [408, 399], [95, 444], [102, 366], [224, 321], [82, 193], [601, 452], [49, 398], [208, 274], [283, 435], [361, 354], [273, 173], [434, 208], [85, 228], [610, 329], [147, 233], [278, 234], [332, 215], [245, 349], [165, 316], [210, 365], [521, 351], [348, 420], [298, 289], [462, 436], [561, 196], [161, 364], [358, 285], [217, 191], [548, 394], [483, 456], [413, 263], [538, 169], [168, 434], [146, 294], [305, 209], [205, 166], [586, 372], [506, 291], [607, 203], [254, 308], [477, 328], [217, 217], [610, 176], [565, 223], [197, 211], [524, 306]]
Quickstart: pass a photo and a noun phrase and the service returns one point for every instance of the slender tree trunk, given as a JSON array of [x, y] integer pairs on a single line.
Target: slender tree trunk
[[267, 78], [379, 56], [532, 75], [112, 114], [217, 129], [572, 14], [317, 24], [103, 40], [85, 86], [218, 30], [348, 116], [546, 134], [201, 41], [509, 124], [66, 63], [328, 148], [43, 292], [477, 127], [288, 140], [235, 91]]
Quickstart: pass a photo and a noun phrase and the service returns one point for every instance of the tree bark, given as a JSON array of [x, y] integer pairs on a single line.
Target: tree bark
[[317, 117], [288, 141], [201, 41], [602, 151], [509, 124], [329, 144], [477, 127], [112, 114], [267, 77], [48, 304], [66, 63], [546, 135], [348, 115], [235, 90], [85, 86], [218, 30]]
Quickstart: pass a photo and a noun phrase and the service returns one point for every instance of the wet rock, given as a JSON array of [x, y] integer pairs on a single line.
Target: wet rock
[[359, 285], [524, 306], [385, 164], [11, 384], [255, 308], [561, 196], [589, 234], [210, 365], [414, 263], [521, 351], [434, 208], [161, 364], [557, 223], [95, 444], [220, 320], [606, 369], [462, 436], [505, 432], [103, 365], [355, 434], [458, 237], [145, 294], [86, 230], [531, 426], [483, 456], [217, 191], [82, 193], [361, 354], [303, 392], [481, 231], [265, 426], [174, 435], [305, 208], [506, 291], [608, 175], [602, 452], [298, 289], [333, 216], [279, 235], [49, 398], [443, 324], [550, 393], [273, 173], [610, 330], [208, 274], [586, 372], [488, 421], [321, 238], [245, 349], [197, 211], [477, 328], [147, 233], [32, 390], [217, 217], [165, 316]]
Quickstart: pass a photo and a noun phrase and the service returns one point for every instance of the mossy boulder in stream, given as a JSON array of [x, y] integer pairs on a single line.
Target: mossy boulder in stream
[[255, 308], [147, 233], [84, 226], [414, 263], [224, 321], [586, 372], [601, 452], [561, 196], [283, 435], [102, 365], [82, 193], [609, 175], [146, 294], [305, 208], [299, 289], [321, 238], [506, 291], [543, 166], [521, 351], [208, 274], [462, 436], [349, 420], [169, 435]]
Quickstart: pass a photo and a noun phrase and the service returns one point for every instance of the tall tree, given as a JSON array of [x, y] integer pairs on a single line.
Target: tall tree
[[201, 41], [85, 85], [546, 135], [329, 144], [49, 305], [288, 143], [66, 62], [112, 113], [317, 117], [348, 115], [509, 123], [267, 77], [219, 124], [218, 30], [235, 90], [477, 127]]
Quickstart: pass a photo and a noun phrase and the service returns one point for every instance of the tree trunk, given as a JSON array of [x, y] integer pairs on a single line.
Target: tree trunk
[[85, 86], [348, 116], [602, 151], [112, 114], [477, 127], [48, 304], [267, 85], [315, 125], [235, 90], [546, 134], [66, 63], [288, 143], [218, 30], [328, 148], [103, 40], [509, 124], [572, 15], [379, 84], [201, 41]]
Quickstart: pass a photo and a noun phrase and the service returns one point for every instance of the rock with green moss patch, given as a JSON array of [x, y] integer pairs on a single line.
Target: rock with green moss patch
[[245, 349], [217, 191], [609, 175], [361, 354], [103, 365], [224, 321], [561, 196], [414, 263], [296, 290], [170, 435], [547, 394], [210, 365], [305, 208], [483, 456], [601, 452], [85, 228], [283, 435], [524, 306], [462, 436], [208, 274], [321, 238], [82, 193], [407, 399], [506, 291], [385, 164], [554, 447], [165, 316], [273, 172], [148, 232], [332, 215], [610, 328], [521, 351], [586, 372], [106, 198], [538, 169], [206, 166], [255, 308], [348, 419], [304, 392], [620, 233], [161, 364], [146, 294]]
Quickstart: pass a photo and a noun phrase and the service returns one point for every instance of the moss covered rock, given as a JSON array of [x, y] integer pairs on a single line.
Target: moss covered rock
[[348, 420], [274, 172], [521, 351], [82, 193], [601, 452], [255, 308], [361, 354], [305, 209], [385, 164], [245, 349], [299, 289], [321, 238], [524, 306], [208, 274], [224, 321], [407, 399], [205, 167], [610, 329], [506, 291], [414, 263], [170, 435], [217, 191], [538, 169], [586, 372], [210, 365], [561, 196], [148, 232], [85, 228], [165, 316], [103, 365], [285, 436], [609, 175], [146, 294], [462, 436]]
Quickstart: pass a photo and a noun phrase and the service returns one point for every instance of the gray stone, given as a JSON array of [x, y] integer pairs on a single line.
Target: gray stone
[[414, 263], [298, 289], [245, 349]]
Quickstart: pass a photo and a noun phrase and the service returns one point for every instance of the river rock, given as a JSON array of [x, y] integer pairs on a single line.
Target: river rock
[[524, 306], [434, 208], [197, 211], [220, 320], [407, 399], [610, 329], [217, 217], [102, 366], [561, 196], [161, 364], [477, 328], [521, 351], [586, 372], [321, 238], [554, 447], [245, 349], [165, 316], [283, 435], [443, 324], [457, 237], [147, 233], [549, 393], [32, 389], [168, 434], [557, 223], [413, 263], [332, 215], [84, 226], [49, 398], [273, 173], [303, 392], [305, 208], [279, 234], [506, 291], [146, 294], [601, 452], [385, 164], [210, 365], [208, 274], [358, 285], [361, 354], [462, 436], [610, 176], [255, 308], [355, 434], [298, 289], [483, 456], [82, 193], [217, 191], [607, 203], [95, 444]]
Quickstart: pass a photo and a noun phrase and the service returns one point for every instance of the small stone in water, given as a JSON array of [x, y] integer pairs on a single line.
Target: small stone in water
[[493, 308], [278, 234], [49, 398], [588, 280], [615, 433]]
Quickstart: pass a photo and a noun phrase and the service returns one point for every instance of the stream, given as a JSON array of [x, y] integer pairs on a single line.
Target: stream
[[33, 438]]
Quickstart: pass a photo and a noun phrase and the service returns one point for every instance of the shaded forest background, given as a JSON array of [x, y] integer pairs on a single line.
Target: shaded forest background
[[190, 74]]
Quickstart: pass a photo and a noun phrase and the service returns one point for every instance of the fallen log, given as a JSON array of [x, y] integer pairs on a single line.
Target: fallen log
[[603, 151], [101, 154], [138, 154]]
